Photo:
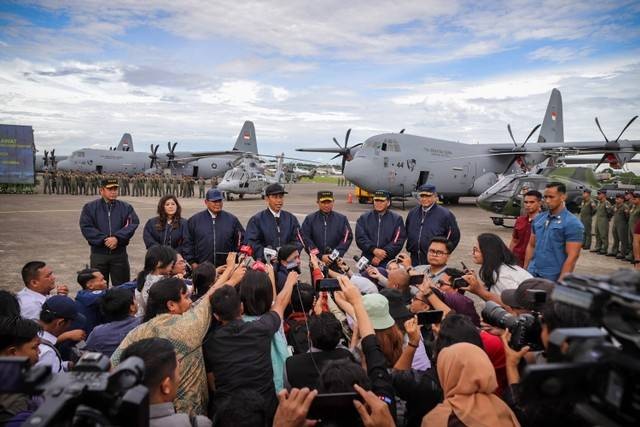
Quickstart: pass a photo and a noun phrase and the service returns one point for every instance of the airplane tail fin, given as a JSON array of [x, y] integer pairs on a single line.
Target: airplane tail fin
[[247, 139], [126, 143], [552, 129], [279, 176]]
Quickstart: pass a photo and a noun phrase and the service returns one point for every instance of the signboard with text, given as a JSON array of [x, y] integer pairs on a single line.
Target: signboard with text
[[17, 155]]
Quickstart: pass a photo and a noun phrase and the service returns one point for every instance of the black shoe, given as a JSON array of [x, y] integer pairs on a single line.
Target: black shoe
[[602, 252], [594, 250], [611, 255], [586, 248], [619, 256]]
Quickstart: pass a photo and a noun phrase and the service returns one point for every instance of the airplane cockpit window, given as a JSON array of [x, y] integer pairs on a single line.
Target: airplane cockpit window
[[393, 146], [77, 154]]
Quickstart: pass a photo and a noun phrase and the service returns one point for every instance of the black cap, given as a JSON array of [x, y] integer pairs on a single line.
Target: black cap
[[620, 195], [325, 195], [602, 190], [397, 309], [274, 189], [381, 194], [62, 307], [428, 189], [109, 183]]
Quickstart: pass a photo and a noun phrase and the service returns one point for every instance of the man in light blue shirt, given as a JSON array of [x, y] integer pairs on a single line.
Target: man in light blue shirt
[[556, 237]]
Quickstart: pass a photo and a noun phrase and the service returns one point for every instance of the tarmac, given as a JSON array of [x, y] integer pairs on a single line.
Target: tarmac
[[45, 227]]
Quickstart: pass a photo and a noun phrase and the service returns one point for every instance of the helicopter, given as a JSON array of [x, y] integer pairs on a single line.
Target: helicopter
[[248, 177], [505, 196]]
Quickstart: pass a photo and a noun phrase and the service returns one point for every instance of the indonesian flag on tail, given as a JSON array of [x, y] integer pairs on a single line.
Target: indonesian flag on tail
[[247, 136]]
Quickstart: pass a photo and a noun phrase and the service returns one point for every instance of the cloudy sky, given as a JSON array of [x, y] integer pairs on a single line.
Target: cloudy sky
[[82, 72]]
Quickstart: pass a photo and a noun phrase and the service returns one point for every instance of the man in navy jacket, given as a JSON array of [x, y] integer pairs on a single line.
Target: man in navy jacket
[[212, 233], [273, 227], [108, 225], [380, 234], [326, 230], [427, 221]]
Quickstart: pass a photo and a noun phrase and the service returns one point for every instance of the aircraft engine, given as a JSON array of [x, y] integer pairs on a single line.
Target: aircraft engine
[[483, 182]]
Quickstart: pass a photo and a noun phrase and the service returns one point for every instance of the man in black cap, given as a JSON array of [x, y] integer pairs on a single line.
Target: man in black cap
[[380, 233], [427, 221], [108, 225], [56, 317], [523, 300], [212, 233], [326, 230], [273, 227]]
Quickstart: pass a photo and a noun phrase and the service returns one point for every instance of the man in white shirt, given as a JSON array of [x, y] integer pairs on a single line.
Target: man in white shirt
[[39, 281], [58, 312]]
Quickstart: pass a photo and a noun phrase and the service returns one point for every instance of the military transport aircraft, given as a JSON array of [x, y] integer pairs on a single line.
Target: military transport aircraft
[[50, 161], [399, 162], [197, 164]]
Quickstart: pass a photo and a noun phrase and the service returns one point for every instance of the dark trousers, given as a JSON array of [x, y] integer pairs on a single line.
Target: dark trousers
[[115, 266]]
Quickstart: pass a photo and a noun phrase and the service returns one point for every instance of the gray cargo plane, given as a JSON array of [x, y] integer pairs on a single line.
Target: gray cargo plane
[[50, 161], [399, 162], [197, 164], [248, 177]]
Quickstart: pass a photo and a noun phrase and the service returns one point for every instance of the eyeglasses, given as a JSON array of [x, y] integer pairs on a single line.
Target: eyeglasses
[[443, 283], [475, 250], [421, 300], [437, 253]]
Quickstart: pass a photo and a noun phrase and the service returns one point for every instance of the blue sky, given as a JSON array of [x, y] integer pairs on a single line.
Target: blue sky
[[83, 72]]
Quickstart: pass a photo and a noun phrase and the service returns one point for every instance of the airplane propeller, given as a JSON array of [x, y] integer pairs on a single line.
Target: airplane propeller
[[614, 143], [154, 155], [52, 158], [46, 158], [518, 157], [171, 155], [345, 151]]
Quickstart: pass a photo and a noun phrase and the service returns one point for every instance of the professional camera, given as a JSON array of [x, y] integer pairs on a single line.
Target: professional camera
[[595, 370], [525, 329], [88, 395]]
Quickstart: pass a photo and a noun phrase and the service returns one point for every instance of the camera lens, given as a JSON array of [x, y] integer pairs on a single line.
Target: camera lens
[[495, 315]]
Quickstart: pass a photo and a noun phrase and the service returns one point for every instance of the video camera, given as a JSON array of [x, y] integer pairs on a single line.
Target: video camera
[[597, 369], [88, 395]]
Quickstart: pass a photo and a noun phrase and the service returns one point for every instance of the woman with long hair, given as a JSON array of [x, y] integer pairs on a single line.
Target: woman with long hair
[[158, 263], [168, 228], [499, 269]]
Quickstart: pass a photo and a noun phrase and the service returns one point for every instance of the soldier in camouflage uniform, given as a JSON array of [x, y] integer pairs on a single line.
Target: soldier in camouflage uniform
[[46, 183], [619, 230], [603, 211], [634, 216], [201, 185], [587, 211]]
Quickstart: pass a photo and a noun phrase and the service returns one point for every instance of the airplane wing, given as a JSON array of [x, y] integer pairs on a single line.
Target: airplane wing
[[320, 150]]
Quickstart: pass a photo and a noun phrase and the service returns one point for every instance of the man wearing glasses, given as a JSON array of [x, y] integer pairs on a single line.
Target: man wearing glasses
[[427, 221], [437, 259]]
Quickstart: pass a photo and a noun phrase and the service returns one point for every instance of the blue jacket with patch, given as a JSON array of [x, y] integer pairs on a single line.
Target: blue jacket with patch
[[380, 231], [100, 219], [169, 236], [423, 226], [321, 231], [211, 239], [263, 231]]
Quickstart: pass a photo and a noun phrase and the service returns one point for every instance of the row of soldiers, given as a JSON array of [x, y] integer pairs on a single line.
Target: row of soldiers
[[618, 219], [139, 185]]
